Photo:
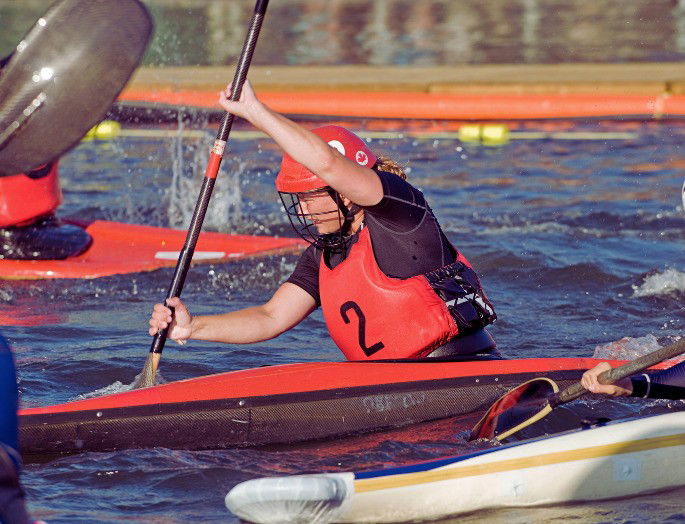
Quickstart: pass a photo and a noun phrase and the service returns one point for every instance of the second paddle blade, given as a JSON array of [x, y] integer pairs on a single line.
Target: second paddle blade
[[64, 76], [517, 408]]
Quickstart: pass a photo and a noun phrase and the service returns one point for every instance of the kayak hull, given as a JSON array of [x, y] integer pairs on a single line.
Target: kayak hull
[[120, 248], [281, 404], [619, 459]]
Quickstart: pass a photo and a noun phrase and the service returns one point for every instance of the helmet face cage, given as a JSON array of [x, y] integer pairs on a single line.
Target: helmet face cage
[[303, 223]]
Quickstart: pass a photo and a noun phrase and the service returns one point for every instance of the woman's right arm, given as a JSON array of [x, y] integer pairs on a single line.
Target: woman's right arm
[[360, 184], [287, 308]]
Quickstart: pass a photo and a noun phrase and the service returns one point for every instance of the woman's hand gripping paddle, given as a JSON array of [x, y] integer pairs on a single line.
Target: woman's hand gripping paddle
[[533, 400], [64, 76], [147, 377]]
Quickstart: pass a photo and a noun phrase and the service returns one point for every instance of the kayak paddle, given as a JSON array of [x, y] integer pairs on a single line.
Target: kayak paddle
[[64, 75], [147, 377], [535, 399]]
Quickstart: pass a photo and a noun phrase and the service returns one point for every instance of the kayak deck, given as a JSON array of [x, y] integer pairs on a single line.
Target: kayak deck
[[119, 248], [282, 404]]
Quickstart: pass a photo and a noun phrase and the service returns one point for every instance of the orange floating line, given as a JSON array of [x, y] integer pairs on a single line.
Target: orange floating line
[[435, 106]]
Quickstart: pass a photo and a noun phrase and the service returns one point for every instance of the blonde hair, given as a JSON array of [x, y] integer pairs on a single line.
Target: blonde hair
[[388, 165]]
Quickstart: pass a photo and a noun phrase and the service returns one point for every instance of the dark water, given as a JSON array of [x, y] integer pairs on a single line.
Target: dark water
[[401, 32], [579, 243]]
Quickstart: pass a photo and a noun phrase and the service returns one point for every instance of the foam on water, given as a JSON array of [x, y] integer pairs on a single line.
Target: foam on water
[[117, 387], [660, 283], [629, 348], [545, 227]]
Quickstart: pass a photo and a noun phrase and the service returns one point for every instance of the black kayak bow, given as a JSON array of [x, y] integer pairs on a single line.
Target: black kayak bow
[[64, 75]]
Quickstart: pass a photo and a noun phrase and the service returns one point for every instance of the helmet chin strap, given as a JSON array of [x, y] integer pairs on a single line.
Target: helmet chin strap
[[347, 213]]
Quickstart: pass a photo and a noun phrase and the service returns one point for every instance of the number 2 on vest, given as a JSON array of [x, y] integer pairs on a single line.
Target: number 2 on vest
[[362, 327]]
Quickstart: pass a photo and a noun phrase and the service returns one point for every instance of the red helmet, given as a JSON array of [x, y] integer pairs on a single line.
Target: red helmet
[[295, 178]]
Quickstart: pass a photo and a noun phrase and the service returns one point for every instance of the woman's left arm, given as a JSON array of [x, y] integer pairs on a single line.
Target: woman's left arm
[[590, 382], [360, 184]]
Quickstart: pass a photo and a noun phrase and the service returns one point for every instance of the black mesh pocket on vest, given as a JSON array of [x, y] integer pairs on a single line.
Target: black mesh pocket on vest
[[460, 288]]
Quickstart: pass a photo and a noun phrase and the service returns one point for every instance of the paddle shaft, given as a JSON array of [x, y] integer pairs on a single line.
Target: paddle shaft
[[215, 157], [612, 375]]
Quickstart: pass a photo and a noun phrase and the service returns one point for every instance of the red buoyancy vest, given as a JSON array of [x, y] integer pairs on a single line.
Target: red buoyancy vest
[[26, 196], [373, 316]]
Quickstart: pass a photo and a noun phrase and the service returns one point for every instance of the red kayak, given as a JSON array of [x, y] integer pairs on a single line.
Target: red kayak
[[128, 248], [282, 404]]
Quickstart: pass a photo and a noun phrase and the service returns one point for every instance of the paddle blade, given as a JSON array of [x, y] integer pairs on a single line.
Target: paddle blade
[[149, 374], [516, 409], [64, 76]]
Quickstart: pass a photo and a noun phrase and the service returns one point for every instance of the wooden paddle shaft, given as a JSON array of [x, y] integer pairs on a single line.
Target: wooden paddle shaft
[[610, 376]]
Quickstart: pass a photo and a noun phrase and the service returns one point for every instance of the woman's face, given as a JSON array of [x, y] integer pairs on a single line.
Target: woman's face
[[322, 210]]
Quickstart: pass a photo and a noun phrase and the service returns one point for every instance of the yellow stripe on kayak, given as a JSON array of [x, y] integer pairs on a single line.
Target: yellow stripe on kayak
[[424, 477]]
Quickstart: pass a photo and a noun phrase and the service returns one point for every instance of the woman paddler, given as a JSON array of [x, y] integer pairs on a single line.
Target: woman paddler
[[390, 284], [29, 229], [667, 383]]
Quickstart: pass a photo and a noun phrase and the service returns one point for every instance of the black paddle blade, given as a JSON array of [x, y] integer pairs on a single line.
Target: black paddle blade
[[64, 75], [516, 409]]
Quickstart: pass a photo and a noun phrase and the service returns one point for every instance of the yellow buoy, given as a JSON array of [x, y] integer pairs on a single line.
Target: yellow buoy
[[487, 134], [105, 130], [495, 134], [469, 133]]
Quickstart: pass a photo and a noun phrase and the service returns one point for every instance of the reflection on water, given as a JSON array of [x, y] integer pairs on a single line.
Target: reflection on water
[[401, 32]]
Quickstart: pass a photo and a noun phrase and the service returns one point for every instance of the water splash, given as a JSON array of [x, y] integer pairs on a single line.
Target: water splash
[[189, 160], [662, 283], [117, 387], [627, 348], [261, 276]]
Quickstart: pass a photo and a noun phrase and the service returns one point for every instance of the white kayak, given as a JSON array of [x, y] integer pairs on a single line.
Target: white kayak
[[621, 458]]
